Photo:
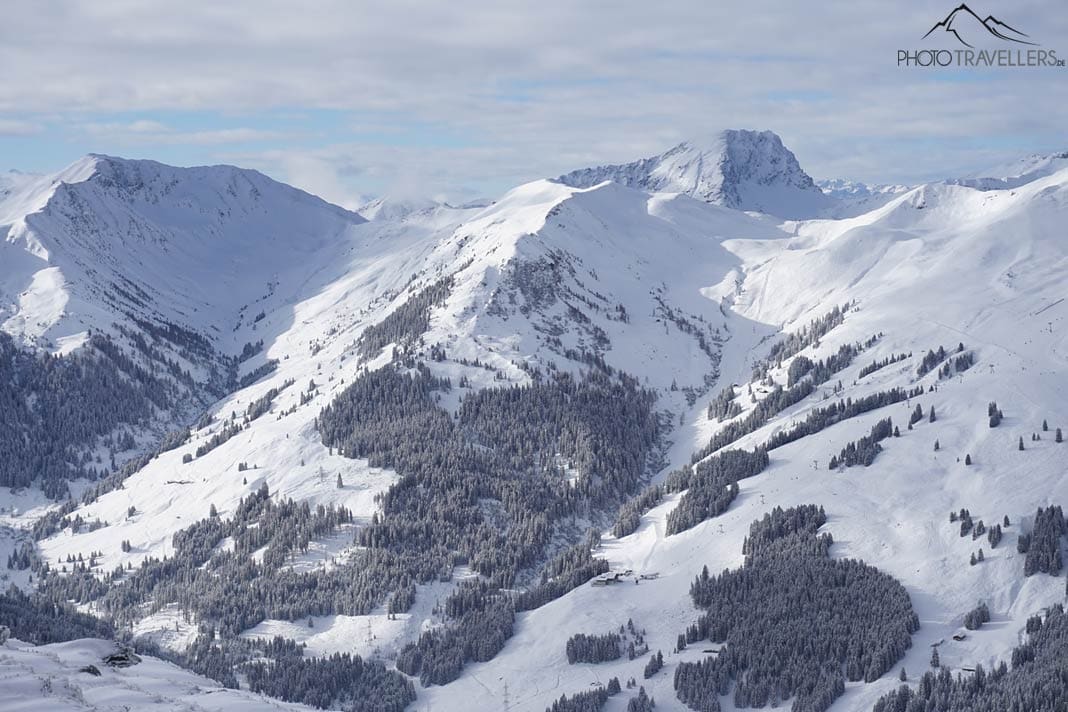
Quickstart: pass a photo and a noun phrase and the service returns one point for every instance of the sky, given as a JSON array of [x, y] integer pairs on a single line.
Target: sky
[[462, 100]]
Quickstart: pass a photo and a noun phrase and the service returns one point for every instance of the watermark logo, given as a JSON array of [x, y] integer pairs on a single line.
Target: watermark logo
[[963, 21], [963, 27]]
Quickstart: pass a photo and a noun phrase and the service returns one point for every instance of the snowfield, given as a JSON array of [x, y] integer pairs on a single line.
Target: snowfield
[[51, 677], [705, 288]]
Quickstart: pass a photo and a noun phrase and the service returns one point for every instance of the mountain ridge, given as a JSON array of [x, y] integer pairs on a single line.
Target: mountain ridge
[[741, 169], [553, 283], [142, 219]]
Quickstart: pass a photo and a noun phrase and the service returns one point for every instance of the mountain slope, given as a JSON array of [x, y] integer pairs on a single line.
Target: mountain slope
[[535, 275], [1016, 173], [387, 208], [108, 236], [685, 296], [931, 268], [54, 675], [530, 286], [144, 273]]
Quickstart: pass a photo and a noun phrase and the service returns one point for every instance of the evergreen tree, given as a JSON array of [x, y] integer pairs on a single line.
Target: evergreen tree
[[917, 416], [975, 618], [864, 450], [1035, 680], [641, 703], [994, 536], [583, 648], [1042, 545], [656, 662], [794, 622]]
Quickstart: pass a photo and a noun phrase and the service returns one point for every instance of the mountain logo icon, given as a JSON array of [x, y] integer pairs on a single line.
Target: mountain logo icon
[[964, 24]]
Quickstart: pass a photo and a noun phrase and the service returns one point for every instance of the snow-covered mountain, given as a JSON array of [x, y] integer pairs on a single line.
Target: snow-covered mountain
[[741, 169], [653, 270], [848, 189], [12, 180], [852, 198], [163, 277], [196, 247], [1016, 173], [387, 208], [931, 268]]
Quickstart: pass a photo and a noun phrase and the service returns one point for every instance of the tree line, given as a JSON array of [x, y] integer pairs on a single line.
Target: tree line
[[338, 680], [1037, 680], [587, 700], [711, 486]]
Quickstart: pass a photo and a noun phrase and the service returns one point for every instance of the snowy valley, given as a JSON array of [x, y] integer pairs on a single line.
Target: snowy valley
[[432, 444]]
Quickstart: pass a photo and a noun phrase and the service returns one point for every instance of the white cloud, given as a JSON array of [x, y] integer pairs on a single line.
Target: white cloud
[[349, 175], [313, 173], [538, 89], [147, 132], [16, 127], [145, 126]]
